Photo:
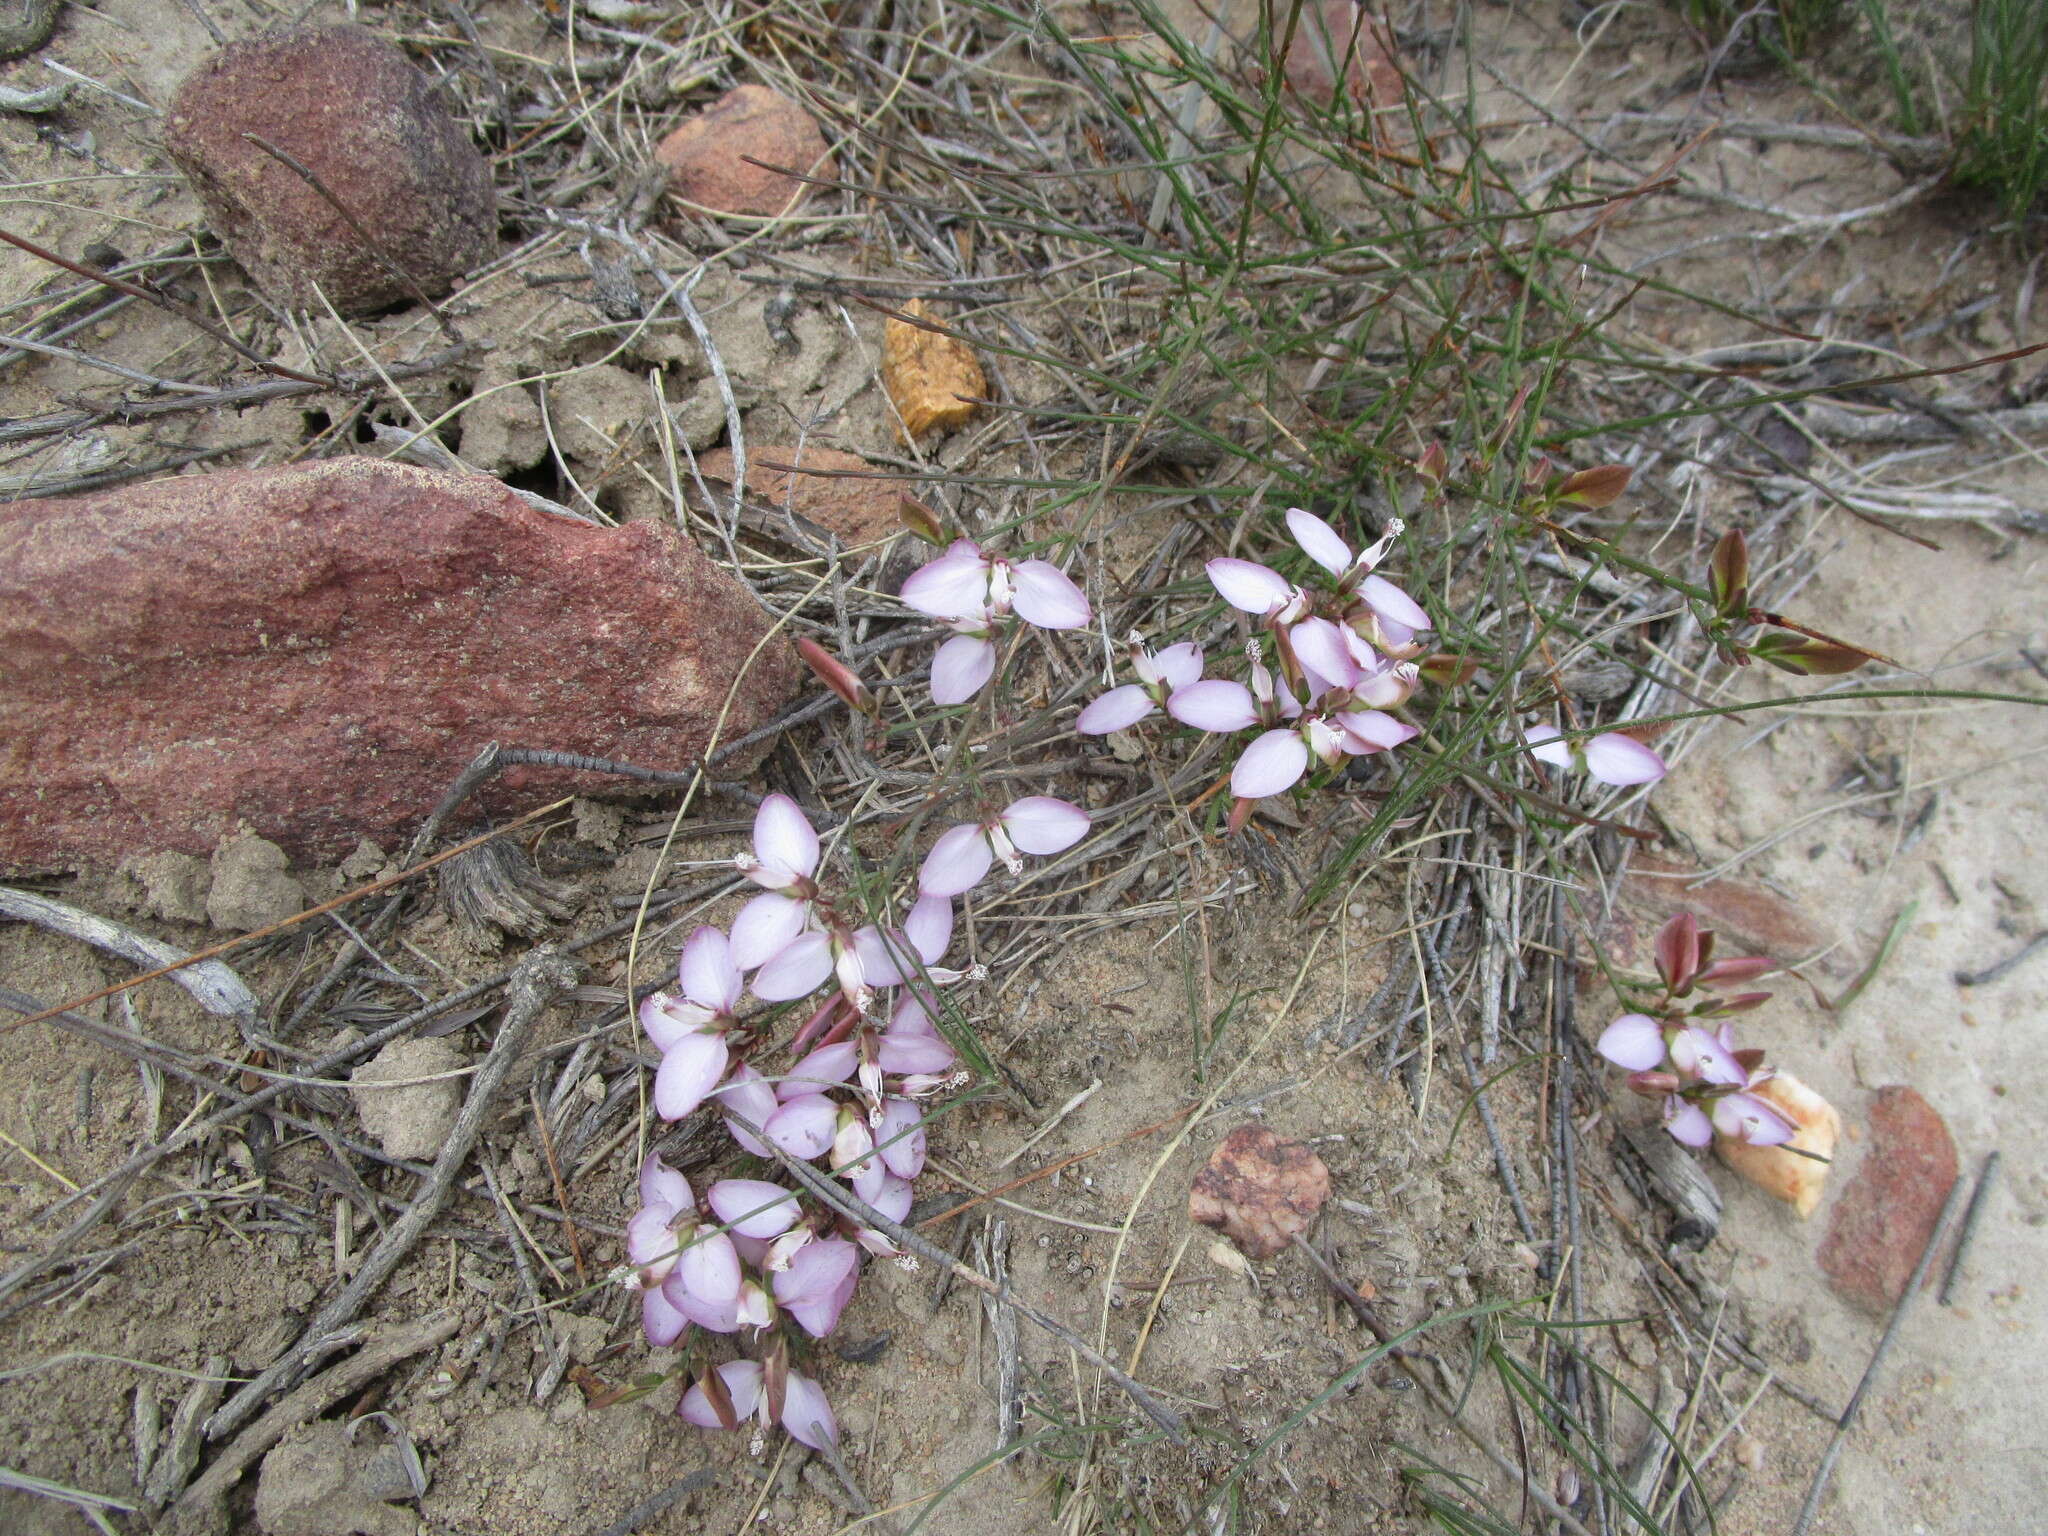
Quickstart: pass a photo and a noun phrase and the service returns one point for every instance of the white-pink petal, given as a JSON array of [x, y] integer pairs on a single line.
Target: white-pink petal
[[1319, 541], [1216, 704], [954, 586], [1274, 762], [764, 926], [661, 1187], [1372, 730], [705, 1284], [1179, 665], [1248, 585], [659, 1319], [803, 1126], [1745, 1117], [1687, 1122], [961, 668], [1320, 648], [1117, 710], [1041, 824], [1392, 604], [901, 1137], [1635, 1041], [796, 970], [748, 1096], [912, 1053], [1617, 759], [807, 1415], [669, 1019], [958, 862], [742, 1382], [1045, 596], [688, 1073], [1546, 745], [784, 840], [708, 975], [929, 927], [753, 1207]]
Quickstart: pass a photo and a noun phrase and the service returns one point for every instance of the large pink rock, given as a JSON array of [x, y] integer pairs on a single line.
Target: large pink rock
[[317, 649]]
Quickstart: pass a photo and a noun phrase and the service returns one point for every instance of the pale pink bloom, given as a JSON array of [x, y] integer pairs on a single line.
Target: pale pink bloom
[[1159, 675], [1272, 763], [1366, 731], [748, 1096], [1037, 824], [901, 1136], [785, 855], [756, 1308], [806, 1415], [797, 969], [912, 1042], [1214, 704], [705, 1284], [1687, 1122], [962, 666], [1634, 1041], [892, 1200], [818, 1283], [665, 1202], [689, 1070], [753, 1207], [661, 1322], [1256, 589], [1611, 758], [765, 926], [853, 1153], [803, 1126], [1700, 1053], [822, 1069], [1746, 1117], [965, 582]]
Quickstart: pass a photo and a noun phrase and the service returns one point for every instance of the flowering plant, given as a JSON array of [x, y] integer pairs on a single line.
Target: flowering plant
[[1683, 1053], [754, 1257]]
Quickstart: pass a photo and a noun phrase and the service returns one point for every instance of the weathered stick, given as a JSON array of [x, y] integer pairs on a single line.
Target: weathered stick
[[213, 985]]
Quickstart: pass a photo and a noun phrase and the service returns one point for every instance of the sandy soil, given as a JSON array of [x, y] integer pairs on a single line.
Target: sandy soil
[[213, 1250]]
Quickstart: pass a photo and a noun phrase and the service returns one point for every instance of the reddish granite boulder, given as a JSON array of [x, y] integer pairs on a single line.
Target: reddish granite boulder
[[352, 109], [1887, 1213], [317, 649]]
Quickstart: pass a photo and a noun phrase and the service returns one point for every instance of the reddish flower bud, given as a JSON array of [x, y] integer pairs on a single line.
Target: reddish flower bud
[[1736, 968], [1434, 465], [1751, 1058], [1805, 656], [1653, 1085], [719, 1398], [1678, 952], [1600, 486], [836, 675], [1728, 574], [1447, 671], [921, 520]]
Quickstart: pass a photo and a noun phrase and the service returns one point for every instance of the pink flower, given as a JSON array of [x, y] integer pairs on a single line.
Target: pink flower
[[753, 1207], [912, 1042], [1611, 758], [705, 1284], [802, 1126], [784, 862], [818, 1283], [901, 1137], [1391, 615], [966, 583], [806, 1414], [749, 1096], [689, 1030], [962, 666], [1635, 1042], [1176, 667], [1687, 1122], [1747, 1117], [892, 1200], [1257, 589], [1037, 824]]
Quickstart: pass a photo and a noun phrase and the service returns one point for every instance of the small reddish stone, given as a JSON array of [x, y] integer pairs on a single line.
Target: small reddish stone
[[319, 649], [707, 157], [1338, 36], [1888, 1211], [1259, 1191], [838, 491], [351, 108]]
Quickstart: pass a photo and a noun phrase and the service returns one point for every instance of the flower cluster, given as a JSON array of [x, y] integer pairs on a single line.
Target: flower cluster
[[1343, 657], [1685, 1055], [754, 1255], [974, 593]]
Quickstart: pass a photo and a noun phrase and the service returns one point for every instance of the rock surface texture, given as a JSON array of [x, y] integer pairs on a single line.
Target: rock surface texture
[[1889, 1209], [707, 157], [318, 649], [352, 109], [843, 493]]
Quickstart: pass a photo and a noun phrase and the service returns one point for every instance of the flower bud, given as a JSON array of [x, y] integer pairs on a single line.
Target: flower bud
[[1728, 574], [921, 520], [1653, 1085], [1434, 465], [1804, 656], [836, 675], [1447, 671], [1600, 486]]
